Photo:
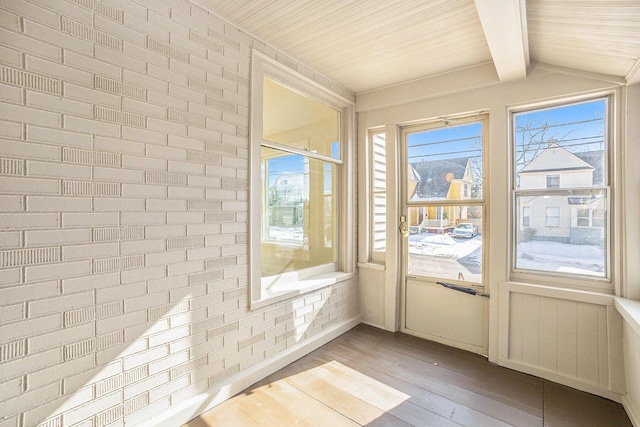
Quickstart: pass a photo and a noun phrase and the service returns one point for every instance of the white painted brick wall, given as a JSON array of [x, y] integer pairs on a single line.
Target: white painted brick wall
[[123, 213]]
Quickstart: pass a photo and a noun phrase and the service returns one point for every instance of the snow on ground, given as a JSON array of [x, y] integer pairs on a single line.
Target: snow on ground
[[561, 257], [534, 255], [442, 245]]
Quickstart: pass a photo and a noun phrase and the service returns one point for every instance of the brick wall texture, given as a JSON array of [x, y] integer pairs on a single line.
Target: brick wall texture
[[123, 213]]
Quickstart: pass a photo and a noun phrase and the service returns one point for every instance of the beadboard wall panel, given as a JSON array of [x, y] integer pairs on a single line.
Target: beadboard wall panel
[[571, 337]]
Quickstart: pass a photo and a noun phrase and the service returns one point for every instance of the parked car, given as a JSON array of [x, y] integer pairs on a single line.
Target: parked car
[[465, 229]]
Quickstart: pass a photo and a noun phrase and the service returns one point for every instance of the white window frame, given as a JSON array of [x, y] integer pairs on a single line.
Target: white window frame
[[566, 280], [267, 291]]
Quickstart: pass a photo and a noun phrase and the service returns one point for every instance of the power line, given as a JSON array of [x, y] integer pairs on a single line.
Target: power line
[[444, 141], [522, 129], [538, 143]]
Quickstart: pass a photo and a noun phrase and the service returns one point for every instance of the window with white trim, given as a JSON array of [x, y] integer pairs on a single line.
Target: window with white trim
[[561, 191], [553, 181], [552, 218], [526, 216], [297, 195]]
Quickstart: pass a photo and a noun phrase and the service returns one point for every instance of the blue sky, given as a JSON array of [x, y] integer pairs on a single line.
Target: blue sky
[[578, 127], [294, 163], [464, 140], [453, 141], [590, 114]]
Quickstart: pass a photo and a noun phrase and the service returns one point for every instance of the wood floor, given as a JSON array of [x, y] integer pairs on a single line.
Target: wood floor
[[369, 377]]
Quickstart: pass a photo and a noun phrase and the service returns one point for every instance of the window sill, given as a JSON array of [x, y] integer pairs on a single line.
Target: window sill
[[630, 311], [372, 266], [287, 290]]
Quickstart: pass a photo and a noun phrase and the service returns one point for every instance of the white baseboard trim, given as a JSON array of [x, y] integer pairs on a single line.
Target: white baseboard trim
[[632, 411], [185, 411]]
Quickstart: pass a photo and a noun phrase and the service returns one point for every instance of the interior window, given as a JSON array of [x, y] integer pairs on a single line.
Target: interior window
[[297, 162]]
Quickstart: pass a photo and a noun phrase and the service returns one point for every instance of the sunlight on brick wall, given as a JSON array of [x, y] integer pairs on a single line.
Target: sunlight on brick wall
[[123, 213]]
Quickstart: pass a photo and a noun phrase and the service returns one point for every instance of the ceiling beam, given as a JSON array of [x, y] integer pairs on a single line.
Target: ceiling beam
[[505, 27]]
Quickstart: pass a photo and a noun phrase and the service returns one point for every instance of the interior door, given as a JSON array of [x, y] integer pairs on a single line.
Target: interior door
[[444, 297]]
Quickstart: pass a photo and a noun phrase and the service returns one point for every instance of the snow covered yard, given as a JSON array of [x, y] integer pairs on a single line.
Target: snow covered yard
[[443, 245], [532, 255], [561, 257]]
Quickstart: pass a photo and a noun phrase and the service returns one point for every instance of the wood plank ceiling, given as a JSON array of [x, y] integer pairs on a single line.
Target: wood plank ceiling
[[369, 44]]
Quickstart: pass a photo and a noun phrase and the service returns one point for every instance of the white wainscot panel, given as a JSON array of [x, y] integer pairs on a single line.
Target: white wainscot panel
[[570, 337], [372, 294], [630, 311]]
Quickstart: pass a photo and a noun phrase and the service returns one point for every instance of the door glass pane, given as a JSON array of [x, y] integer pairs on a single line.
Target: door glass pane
[[445, 163], [298, 212], [557, 235], [445, 242], [299, 121]]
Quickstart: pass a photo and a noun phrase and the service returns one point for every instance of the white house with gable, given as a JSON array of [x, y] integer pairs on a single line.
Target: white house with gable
[[576, 218]]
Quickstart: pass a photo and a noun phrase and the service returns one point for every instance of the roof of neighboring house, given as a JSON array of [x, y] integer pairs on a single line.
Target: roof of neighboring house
[[595, 159], [569, 161], [433, 176]]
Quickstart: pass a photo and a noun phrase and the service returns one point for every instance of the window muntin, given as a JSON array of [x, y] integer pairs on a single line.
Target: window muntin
[[561, 177]]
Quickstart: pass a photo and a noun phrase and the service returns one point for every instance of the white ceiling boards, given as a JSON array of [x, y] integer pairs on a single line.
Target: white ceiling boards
[[369, 44]]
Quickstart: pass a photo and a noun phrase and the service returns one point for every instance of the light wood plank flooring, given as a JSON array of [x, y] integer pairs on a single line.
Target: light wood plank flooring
[[369, 377]]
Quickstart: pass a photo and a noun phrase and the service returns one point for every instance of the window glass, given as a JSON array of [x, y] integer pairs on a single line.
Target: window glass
[[560, 189], [299, 121], [563, 147], [297, 203], [445, 242], [299, 212], [445, 163]]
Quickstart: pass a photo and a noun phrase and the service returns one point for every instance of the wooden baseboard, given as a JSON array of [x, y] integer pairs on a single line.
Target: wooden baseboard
[[632, 410], [191, 408]]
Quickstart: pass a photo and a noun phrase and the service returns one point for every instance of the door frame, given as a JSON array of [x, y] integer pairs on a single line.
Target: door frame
[[403, 207]]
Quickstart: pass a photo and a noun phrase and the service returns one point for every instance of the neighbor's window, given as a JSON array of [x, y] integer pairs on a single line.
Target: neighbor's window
[[553, 181], [296, 194], [526, 216], [553, 217], [561, 191]]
